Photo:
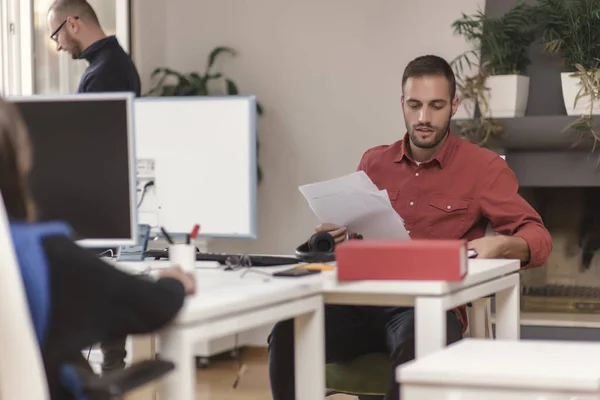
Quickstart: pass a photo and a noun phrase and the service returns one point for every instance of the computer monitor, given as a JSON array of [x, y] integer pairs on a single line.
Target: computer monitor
[[197, 164], [84, 164]]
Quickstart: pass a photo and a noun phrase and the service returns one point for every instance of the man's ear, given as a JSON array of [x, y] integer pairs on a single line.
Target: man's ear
[[74, 23], [455, 103]]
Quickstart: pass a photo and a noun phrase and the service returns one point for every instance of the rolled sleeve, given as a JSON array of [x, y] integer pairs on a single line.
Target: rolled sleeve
[[510, 214], [539, 242]]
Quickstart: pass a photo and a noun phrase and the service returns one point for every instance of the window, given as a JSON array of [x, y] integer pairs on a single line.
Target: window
[[13, 43]]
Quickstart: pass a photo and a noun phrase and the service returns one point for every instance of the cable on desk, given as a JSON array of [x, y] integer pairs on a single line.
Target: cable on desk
[[112, 254], [243, 367], [256, 271]]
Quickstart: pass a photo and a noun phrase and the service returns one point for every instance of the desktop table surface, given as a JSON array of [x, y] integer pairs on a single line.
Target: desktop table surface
[[221, 292], [479, 271], [517, 364]]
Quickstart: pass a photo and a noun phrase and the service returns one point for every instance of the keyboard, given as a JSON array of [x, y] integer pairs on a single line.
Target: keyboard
[[257, 260]]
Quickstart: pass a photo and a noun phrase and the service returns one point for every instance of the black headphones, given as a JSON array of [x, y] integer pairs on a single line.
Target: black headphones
[[318, 249]]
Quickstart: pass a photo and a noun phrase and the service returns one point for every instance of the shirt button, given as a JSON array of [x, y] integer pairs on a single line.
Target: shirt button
[[417, 174], [411, 203], [408, 232], [448, 207]]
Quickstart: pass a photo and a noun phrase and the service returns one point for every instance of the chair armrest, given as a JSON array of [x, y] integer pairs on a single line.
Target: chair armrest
[[119, 382]]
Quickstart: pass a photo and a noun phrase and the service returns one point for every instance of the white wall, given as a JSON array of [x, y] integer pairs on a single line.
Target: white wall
[[328, 73], [148, 37]]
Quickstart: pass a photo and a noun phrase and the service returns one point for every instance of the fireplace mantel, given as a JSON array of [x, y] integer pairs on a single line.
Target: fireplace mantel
[[542, 154], [538, 133]]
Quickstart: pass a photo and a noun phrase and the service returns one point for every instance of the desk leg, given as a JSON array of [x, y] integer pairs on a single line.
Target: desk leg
[[430, 325], [508, 311], [180, 384], [309, 334]]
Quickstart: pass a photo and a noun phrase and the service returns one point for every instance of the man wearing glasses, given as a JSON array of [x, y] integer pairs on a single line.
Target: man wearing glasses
[[75, 28]]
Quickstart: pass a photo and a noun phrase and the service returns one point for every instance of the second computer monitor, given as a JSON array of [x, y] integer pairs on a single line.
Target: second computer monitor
[[197, 164], [83, 164]]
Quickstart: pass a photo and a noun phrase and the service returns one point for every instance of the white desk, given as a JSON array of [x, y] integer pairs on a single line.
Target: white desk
[[224, 304], [509, 370], [432, 299]]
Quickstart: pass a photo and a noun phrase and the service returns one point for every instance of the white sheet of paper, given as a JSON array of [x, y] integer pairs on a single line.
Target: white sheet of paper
[[355, 201]]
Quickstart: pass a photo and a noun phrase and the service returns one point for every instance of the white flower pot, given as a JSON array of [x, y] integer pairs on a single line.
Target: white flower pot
[[570, 88], [507, 96]]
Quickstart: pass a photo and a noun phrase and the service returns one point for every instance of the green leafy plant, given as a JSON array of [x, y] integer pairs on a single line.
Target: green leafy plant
[[590, 89], [503, 43], [481, 129], [498, 46], [208, 83], [570, 29]]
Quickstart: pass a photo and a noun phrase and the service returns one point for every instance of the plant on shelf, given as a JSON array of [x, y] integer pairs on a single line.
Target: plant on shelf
[[499, 53], [209, 83], [481, 129], [570, 29]]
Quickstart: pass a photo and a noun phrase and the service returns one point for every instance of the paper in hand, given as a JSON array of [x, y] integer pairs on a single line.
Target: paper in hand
[[355, 202]]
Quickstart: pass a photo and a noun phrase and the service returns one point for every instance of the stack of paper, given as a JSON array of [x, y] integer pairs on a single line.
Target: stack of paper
[[355, 202]]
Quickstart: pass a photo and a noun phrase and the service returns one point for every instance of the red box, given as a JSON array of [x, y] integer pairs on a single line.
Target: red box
[[411, 260]]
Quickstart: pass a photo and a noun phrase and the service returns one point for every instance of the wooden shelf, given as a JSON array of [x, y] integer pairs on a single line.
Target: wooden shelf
[[559, 320], [537, 133]]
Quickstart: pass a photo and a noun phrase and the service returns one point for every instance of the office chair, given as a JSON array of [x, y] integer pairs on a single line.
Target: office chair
[[22, 374], [367, 376], [31, 294]]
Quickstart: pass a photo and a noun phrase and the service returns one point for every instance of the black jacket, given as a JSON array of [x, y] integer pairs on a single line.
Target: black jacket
[[110, 69], [94, 302]]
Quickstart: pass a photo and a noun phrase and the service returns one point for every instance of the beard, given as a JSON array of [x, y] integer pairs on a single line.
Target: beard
[[75, 48], [433, 134]]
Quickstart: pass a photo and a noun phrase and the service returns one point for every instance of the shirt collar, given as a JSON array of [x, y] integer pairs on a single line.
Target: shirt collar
[[442, 156], [95, 48]]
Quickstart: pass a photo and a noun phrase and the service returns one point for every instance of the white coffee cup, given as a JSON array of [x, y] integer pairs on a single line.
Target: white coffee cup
[[183, 256]]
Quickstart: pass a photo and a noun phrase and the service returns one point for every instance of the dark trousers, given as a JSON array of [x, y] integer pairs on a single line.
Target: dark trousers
[[114, 353], [352, 331]]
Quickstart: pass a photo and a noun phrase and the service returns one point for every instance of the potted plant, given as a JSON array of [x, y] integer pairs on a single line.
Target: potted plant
[[570, 28], [500, 51], [174, 83]]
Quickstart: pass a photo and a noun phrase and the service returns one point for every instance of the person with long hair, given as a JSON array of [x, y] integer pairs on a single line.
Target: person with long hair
[[91, 300]]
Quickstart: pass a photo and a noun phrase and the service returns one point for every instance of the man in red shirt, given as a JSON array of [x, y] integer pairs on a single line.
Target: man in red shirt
[[444, 188]]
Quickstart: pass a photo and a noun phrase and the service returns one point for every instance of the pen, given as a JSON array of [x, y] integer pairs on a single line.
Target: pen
[[162, 228], [195, 231]]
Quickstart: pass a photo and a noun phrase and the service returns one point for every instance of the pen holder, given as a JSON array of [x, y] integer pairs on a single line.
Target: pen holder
[[184, 256]]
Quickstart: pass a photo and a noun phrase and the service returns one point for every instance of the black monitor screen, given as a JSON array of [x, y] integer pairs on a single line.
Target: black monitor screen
[[81, 165]]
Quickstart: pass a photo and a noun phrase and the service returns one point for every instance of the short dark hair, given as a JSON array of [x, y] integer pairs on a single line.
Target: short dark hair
[[430, 65], [75, 8]]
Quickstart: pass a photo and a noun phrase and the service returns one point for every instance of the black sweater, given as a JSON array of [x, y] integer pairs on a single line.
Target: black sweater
[[94, 302], [110, 69]]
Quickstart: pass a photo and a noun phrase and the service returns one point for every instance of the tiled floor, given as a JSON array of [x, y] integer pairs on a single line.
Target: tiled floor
[[216, 382]]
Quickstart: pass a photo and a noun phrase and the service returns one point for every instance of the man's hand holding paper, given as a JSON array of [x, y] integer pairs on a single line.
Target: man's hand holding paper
[[353, 201]]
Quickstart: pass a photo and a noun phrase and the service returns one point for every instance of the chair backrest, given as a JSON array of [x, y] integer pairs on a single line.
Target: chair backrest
[[22, 374], [27, 240], [33, 264]]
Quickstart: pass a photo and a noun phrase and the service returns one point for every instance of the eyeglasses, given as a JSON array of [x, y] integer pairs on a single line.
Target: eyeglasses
[[54, 35]]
